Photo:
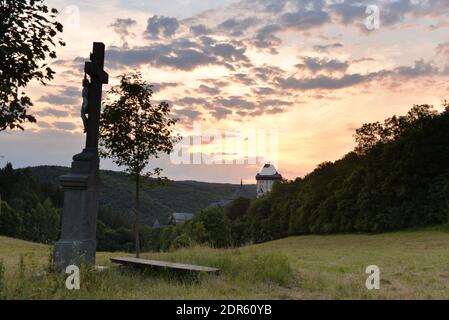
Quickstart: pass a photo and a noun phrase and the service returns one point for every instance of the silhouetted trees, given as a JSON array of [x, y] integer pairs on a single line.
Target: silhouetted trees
[[397, 178], [27, 210], [28, 39]]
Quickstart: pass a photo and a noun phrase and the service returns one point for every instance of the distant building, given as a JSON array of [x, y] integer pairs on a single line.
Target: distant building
[[180, 217], [265, 179], [156, 224], [240, 192]]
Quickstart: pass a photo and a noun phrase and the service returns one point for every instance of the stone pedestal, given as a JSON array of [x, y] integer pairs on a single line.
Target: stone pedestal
[[77, 244]]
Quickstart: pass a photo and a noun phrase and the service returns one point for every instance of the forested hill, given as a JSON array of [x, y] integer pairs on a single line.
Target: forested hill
[[117, 194], [396, 178]]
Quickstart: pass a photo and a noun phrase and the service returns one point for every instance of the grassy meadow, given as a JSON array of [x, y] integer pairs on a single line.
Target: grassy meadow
[[413, 265]]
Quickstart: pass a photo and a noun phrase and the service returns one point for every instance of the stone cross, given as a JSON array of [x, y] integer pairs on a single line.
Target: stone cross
[[77, 244], [98, 76]]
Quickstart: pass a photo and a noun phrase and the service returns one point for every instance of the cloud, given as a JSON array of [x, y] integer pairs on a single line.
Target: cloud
[[163, 85], [53, 112], [391, 12], [63, 125], [327, 47], [188, 101], [208, 90], [159, 55], [242, 78], [122, 26], [439, 25], [190, 114], [305, 19], [66, 97], [263, 90], [161, 26], [228, 51], [43, 124], [265, 37], [237, 26], [237, 102], [216, 82], [59, 99], [322, 82], [317, 64], [418, 69], [182, 54], [274, 102], [220, 112], [266, 72], [200, 29], [348, 12], [443, 49]]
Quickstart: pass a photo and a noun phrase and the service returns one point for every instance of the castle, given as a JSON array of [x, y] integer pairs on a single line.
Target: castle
[[265, 179]]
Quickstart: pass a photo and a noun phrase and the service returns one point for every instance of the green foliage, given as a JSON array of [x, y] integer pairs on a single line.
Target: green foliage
[[216, 227], [117, 195], [28, 38], [373, 134], [397, 179], [10, 221], [182, 241], [27, 211], [133, 131], [26, 191], [238, 208]]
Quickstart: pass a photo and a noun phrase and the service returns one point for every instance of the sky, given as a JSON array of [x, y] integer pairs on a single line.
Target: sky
[[252, 81]]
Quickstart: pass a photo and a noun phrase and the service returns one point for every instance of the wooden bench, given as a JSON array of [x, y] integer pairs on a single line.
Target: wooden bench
[[155, 264]]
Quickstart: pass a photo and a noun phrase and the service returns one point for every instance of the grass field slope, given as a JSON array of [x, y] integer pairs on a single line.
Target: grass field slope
[[413, 265]]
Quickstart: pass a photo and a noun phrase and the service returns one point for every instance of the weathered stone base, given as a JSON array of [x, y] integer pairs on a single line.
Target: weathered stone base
[[77, 243], [74, 253]]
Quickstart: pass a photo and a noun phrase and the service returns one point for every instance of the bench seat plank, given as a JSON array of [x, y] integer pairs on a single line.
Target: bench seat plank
[[163, 264]]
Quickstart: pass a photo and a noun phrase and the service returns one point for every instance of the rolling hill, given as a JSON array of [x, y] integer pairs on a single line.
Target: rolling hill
[[117, 194]]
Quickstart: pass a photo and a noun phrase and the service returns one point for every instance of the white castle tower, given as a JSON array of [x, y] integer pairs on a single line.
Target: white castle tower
[[265, 179]]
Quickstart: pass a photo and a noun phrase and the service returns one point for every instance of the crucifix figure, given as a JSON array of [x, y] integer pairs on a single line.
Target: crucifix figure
[[85, 104], [77, 244], [92, 102]]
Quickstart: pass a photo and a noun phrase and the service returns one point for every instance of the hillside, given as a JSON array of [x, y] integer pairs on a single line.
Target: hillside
[[304, 267], [117, 193], [396, 178]]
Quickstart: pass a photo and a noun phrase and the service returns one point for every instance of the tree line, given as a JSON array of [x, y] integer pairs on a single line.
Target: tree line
[[397, 177]]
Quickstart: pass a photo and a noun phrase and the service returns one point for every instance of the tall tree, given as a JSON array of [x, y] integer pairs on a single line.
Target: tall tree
[[28, 39], [133, 131]]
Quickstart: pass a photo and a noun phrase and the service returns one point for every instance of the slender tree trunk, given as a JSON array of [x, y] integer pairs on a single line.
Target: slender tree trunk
[[136, 216]]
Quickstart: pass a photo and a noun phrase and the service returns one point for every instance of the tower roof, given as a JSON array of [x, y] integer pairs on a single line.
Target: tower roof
[[268, 172]]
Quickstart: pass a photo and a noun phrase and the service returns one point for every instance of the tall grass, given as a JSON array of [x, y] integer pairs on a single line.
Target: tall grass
[[29, 280], [251, 266]]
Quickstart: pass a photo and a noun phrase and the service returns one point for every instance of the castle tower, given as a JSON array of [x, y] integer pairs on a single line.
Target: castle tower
[[265, 179]]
